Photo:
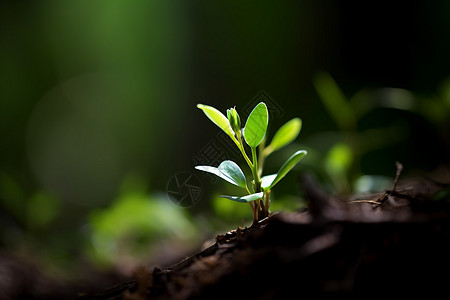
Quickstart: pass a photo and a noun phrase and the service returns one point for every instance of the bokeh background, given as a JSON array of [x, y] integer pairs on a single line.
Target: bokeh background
[[98, 114]]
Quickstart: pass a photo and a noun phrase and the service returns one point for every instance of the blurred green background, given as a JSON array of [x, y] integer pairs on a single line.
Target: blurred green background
[[97, 113]]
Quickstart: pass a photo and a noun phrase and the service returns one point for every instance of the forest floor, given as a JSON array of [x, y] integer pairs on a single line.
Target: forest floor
[[394, 242]]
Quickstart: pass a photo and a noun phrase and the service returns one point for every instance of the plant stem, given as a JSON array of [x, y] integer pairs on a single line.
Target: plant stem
[[259, 204], [255, 213], [252, 205], [267, 200], [248, 191], [240, 145], [246, 157], [256, 177], [261, 156]]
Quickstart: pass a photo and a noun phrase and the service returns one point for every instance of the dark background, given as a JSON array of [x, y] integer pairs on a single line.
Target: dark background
[[98, 112]]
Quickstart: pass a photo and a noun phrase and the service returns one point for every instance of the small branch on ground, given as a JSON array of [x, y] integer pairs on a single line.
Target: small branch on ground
[[387, 194]]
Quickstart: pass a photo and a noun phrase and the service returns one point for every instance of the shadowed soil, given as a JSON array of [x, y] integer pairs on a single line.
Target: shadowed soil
[[396, 242]]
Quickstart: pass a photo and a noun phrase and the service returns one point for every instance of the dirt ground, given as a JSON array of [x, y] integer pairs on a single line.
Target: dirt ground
[[393, 243]]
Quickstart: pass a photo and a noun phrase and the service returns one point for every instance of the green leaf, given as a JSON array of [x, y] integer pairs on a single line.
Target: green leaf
[[256, 125], [217, 118], [267, 180], [231, 170], [286, 134], [287, 166], [227, 170], [339, 159], [334, 101], [215, 171], [244, 199]]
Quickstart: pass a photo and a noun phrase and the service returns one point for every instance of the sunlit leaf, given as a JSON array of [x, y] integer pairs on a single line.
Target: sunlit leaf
[[256, 125], [231, 170], [286, 134], [227, 170], [267, 180], [217, 118], [287, 166], [215, 171], [244, 199]]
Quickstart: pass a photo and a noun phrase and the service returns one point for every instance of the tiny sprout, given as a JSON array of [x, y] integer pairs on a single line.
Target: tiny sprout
[[254, 132], [235, 121]]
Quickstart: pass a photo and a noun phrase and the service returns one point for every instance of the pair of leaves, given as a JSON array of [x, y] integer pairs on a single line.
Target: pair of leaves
[[230, 171], [255, 127]]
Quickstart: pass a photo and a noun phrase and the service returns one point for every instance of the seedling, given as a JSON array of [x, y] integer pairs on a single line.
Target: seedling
[[257, 193]]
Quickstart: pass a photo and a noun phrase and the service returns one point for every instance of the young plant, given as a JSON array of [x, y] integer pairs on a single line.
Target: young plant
[[254, 134]]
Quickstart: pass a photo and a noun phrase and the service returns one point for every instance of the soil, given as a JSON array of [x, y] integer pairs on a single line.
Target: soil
[[392, 243], [396, 242]]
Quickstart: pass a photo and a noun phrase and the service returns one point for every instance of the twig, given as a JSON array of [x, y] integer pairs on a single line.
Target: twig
[[366, 201], [397, 175], [382, 199]]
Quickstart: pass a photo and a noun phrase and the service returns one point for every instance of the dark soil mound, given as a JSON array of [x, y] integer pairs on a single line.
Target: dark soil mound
[[395, 242]]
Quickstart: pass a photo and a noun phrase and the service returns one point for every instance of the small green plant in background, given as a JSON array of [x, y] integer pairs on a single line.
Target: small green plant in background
[[346, 147], [257, 193]]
